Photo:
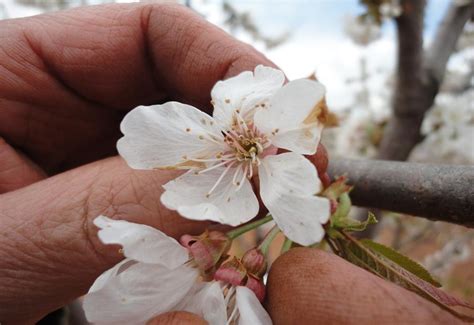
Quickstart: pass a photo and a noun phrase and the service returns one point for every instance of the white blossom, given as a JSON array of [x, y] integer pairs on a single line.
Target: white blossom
[[449, 127], [254, 115], [390, 9], [156, 277], [362, 30]]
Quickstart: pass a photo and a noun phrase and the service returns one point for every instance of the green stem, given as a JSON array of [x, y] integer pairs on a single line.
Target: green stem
[[286, 245], [265, 244], [247, 227]]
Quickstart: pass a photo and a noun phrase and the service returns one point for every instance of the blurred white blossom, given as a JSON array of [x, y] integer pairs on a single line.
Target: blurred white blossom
[[363, 30], [448, 127], [390, 9]]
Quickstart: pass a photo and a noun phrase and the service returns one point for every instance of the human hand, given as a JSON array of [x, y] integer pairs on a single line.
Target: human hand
[[66, 81]]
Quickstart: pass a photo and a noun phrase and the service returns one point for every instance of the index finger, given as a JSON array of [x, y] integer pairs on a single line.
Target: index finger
[[125, 55]]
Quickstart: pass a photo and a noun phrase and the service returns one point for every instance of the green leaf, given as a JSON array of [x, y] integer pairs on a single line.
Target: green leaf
[[402, 260], [358, 254], [349, 224], [343, 208]]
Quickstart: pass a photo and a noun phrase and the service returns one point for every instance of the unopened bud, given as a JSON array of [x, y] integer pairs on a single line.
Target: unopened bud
[[232, 272], [208, 249], [255, 263], [257, 286], [320, 159]]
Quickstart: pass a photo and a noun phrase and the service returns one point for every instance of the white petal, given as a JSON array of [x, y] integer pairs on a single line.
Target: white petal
[[244, 92], [291, 118], [208, 303], [250, 310], [104, 278], [139, 293], [188, 194], [142, 243], [288, 183], [168, 136]]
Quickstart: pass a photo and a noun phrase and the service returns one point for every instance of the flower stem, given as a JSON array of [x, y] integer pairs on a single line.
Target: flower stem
[[247, 227], [286, 246], [265, 244]]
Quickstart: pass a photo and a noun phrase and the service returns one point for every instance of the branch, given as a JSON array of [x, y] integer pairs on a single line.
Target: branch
[[444, 43], [419, 77], [408, 107], [436, 192]]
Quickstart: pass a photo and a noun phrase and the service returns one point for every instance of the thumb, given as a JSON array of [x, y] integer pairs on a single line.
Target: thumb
[[50, 251], [310, 285]]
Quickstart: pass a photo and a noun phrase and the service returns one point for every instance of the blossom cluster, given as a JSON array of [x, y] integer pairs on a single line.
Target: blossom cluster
[[253, 148]]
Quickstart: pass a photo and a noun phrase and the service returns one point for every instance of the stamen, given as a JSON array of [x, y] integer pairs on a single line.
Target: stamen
[[220, 179], [250, 175], [232, 315], [237, 172], [213, 159], [244, 175], [213, 167], [230, 291]]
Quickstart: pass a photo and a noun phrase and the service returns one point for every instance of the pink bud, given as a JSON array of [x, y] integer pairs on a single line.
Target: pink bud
[[232, 272], [208, 250], [254, 261], [256, 286]]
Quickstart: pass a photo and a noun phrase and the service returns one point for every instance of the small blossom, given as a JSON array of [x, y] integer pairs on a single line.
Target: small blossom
[[158, 276], [390, 9], [254, 115], [363, 30]]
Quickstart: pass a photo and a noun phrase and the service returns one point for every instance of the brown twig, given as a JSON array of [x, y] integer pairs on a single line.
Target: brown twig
[[437, 192]]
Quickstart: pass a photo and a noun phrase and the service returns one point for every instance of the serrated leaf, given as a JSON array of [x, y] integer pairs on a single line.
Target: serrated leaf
[[400, 259], [359, 255]]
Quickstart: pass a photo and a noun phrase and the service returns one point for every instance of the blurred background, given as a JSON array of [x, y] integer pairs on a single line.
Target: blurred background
[[351, 47]]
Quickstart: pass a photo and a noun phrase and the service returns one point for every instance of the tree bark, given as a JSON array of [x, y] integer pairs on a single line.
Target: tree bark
[[418, 76], [436, 192]]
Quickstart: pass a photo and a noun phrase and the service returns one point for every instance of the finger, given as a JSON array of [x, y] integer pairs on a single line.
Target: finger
[[61, 73], [16, 170], [309, 285], [50, 252], [177, 318]]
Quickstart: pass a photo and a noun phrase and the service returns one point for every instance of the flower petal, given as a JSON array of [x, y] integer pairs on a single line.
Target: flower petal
[[207, 302], [188, 194], [291, 119], [142, 243], [244, 92], [288, 184], [250, 309], [104, 278], [139, 293], [168, 136]]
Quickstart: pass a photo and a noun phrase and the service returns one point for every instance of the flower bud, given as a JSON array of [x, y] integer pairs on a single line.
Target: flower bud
[[257, 286], [232, 272], [208, 249], [255, 263], [320, 159]]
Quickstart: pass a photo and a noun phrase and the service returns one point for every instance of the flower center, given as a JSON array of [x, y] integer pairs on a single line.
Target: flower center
[[244, 140], [244, 146]]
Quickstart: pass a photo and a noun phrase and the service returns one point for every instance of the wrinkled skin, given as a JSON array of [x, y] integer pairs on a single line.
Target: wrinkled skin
[[66, 80]]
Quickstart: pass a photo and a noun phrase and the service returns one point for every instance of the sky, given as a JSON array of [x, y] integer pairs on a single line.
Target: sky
[[319, 44], [317, 41]]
